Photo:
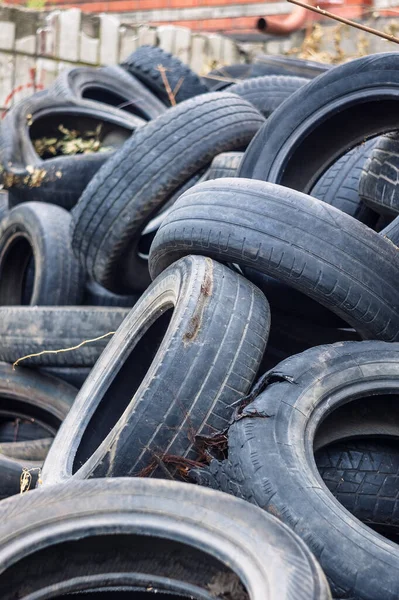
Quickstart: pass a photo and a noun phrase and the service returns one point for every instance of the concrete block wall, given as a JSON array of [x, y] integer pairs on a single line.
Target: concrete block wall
[[35, 46]]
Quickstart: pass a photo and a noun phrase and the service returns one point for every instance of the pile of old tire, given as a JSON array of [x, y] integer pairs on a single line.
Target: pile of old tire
[[213, 273]]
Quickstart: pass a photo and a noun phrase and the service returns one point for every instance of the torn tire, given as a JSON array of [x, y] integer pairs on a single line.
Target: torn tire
[[273, 444]]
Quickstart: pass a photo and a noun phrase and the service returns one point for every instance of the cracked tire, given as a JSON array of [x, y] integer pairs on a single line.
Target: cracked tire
[[37, 265], [200, 331], [144, 64], [299, 142], [274, 448], [159, 535], [27, 330], [315, 248], [140, 178], [61, 179]]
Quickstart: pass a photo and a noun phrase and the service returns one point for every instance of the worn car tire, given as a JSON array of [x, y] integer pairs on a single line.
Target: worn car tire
[[199, 333], [223, 77], [339, 186], [32, 406], [29, 330], [110, 86], [224, 165], [391, 232], [76, 376], [141, 535], [272, 444], [299, 141], [37, 265], [378, 186], [315, 248], [282, 297], [360, 474], [285, 65], [61, 179], [268, 92], [140, 178], [144, 64], [96, 295]]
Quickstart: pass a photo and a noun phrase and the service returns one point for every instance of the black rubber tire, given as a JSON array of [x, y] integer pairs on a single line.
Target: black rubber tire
[[391, 232], [149, 230], [299, 142], [62, 179], [224, 165], [362, 474], [272, 444], [76, 376], [29, 330], [268, 92], [140, 178], [96, 295], [165, 377], [283, 65], [17, 429], [111, 86], [3, 204], [33, 398], [144, 64], [282, 297], [161, 536], [37, 235], [290, 335], [339, 186], [223, 77], [379, 179], [305, 243], [33, 450]]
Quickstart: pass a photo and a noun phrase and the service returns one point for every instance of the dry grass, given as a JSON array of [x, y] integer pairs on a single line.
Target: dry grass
[[70, 142]]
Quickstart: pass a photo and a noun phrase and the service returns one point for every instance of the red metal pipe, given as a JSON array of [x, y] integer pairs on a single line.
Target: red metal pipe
[[294, 21]]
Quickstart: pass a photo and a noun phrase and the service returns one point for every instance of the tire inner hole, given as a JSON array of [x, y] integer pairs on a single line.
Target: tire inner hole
[[356, 451], [122, 389], [100, 94], [17, 273], [104, 556]]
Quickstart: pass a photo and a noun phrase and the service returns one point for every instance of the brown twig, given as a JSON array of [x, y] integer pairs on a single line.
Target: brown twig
[[166, 83], [178, 86], [320, 11], [101, 337]]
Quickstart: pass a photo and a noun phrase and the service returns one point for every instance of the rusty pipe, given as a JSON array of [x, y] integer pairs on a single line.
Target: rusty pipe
[[294, 21]]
